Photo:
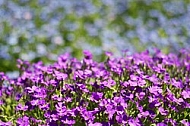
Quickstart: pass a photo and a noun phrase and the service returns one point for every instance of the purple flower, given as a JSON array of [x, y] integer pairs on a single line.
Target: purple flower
[[67, 100], [87, 54], [47, 114], [53, 83], [79, 74], [61, 109], [110, 111], [87, 115], [51, 123], [59, 75], [152, 114], [125, 84], [119, 118], [185, 94], [87, 73], [162, 111], [170, 95], [179, 101], [141, 82], [18, 97], [34, 120], [109, 83], [133, 83], [172, 121], [64, 57], [32, 90], [54, 117], [96, 96], [23, 121], [44, 106], [177, 84], [68, 121], [161, 124], [134, 122], [155, 90], [99, 72], [95, 124], [5, 123], [140, 95], [143, 114], [83, 87], [185, 122], [134, 77], [40, 93], [120, 100], [103, 103], [37, 102], [3, 77], [153, 79], [56, 98], [187, 105], [120, 109], [109, 54], [21, 107], [166, 78]]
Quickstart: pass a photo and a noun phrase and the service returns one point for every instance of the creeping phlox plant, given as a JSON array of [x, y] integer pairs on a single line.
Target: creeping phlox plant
[[139, 89]]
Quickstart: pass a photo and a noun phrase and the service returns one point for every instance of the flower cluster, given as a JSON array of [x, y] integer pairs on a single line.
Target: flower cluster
[[29, 30], [134, 90]]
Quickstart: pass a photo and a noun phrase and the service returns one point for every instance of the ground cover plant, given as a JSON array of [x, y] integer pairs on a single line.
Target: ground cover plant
[[43, 29], [139, 89]]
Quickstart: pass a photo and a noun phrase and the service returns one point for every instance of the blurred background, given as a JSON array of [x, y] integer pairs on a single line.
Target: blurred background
[[36, 30]]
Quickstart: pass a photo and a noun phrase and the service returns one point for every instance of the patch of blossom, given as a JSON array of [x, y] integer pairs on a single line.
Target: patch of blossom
[[164, 27], [130, 90]]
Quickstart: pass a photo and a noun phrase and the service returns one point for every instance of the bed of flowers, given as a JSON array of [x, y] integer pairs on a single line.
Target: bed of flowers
[[139, 89]]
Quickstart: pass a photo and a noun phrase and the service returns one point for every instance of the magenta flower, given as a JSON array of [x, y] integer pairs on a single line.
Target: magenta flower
[[110, 111], [140, 95], [40, 93], [109, 54], [155, 90], [54, 117], [53, 83], [21, 107], [23, 121], [5, 123], [161, 124], [61, 109], [32, 89], [133, 83], [109, 83], [185, 94], [96, 96], [141, 83], [185, 122], [44, 107], [87, 54], [87, 115], [60, 75], [134, 77], [68, 121], [162, 111], [134, 122], [37, 102], [143, 114], [95, 124], [175, 83]]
